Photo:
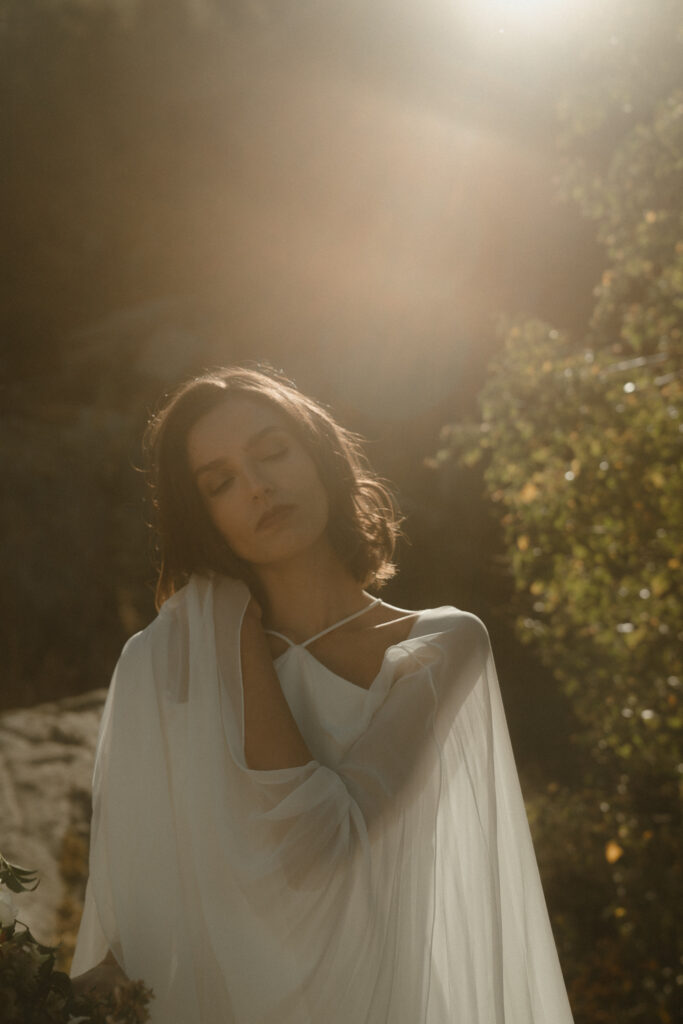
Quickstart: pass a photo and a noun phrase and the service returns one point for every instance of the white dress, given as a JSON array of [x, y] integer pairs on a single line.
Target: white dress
[[391, 880]]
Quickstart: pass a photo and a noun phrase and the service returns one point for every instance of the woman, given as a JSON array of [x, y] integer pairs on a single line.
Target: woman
[[305, 803]]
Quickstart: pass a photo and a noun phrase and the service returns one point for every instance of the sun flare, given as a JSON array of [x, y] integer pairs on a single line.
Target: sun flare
[[527, 15]]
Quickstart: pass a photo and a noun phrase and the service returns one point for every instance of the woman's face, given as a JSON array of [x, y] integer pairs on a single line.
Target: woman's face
[[258, 483]]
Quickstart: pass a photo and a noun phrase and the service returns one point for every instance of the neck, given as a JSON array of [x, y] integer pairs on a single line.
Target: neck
[[309, 593]]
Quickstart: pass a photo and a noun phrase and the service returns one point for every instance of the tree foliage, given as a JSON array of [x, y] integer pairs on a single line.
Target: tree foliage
[[580, 447]]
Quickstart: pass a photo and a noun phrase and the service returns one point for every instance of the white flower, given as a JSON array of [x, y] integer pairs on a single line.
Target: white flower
[[8, 913]]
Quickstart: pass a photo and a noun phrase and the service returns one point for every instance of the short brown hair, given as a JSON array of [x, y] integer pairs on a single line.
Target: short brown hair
[[363, 522]]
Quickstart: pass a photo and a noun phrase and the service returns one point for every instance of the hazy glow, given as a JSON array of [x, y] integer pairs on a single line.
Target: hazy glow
[[528, 15], [528, 6]]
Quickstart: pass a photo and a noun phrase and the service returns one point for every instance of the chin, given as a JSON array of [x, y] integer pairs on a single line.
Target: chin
[[288, 548]]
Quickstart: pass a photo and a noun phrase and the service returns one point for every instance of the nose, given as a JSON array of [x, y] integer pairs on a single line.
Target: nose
[[258, 482]]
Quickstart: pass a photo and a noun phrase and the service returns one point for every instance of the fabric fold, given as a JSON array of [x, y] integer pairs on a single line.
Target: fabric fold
[[391, 878]]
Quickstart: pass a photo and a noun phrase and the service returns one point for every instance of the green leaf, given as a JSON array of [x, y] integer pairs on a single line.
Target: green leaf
[[16, 878]]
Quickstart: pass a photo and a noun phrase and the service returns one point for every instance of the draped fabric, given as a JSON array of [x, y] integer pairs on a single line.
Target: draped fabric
[[390, 879]]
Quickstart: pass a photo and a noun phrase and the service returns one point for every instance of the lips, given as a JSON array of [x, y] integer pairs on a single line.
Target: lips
[[274, 515]]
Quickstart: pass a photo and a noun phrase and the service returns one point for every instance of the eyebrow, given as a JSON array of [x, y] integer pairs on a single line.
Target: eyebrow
[[253, 440]]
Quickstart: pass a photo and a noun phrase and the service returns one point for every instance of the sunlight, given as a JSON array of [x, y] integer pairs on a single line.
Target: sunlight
[[523, 15], [530, 7]]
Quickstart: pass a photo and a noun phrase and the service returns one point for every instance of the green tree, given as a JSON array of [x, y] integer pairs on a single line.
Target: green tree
[[579, 445]]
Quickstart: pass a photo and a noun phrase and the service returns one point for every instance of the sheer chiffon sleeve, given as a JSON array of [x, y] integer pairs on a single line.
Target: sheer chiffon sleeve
[[397, 884]]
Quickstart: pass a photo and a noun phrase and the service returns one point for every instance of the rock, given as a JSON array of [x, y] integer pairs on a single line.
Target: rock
[[46, 763]]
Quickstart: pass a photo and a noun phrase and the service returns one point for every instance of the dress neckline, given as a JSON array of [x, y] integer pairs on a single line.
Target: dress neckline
[[420, 617], [316, 636]]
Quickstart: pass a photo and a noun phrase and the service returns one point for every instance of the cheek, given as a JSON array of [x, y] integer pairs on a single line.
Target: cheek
[[324, 502], [227, 521], [316, 494], [320, 513]]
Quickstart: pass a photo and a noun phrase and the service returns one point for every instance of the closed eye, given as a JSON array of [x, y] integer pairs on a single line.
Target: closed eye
[[220, 487], [275, 455], [223, 484]]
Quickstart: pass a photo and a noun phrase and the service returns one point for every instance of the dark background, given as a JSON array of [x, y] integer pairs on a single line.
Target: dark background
[[365, 194], [353, 192]]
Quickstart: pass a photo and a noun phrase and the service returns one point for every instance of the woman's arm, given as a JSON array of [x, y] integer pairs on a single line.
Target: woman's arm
[[271, 735]]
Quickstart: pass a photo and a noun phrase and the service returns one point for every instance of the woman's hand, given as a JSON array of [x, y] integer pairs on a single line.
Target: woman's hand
[[101, 979], [254, 612], [271, 735], [253, 634]]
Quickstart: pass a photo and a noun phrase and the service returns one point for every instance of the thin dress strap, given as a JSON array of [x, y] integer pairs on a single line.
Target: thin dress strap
[[354, 615]]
